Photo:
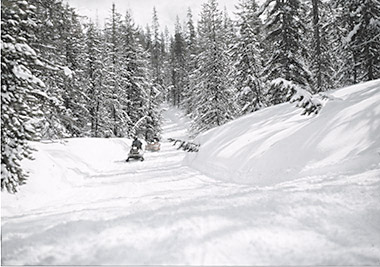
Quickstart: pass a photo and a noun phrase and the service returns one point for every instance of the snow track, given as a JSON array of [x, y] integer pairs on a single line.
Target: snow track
[[162, 212]]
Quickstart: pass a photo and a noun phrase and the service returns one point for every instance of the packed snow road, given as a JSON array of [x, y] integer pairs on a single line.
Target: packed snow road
[[162, 212]]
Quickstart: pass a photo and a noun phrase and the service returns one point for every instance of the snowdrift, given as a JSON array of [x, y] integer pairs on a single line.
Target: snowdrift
[[62, 165], [278, 144]]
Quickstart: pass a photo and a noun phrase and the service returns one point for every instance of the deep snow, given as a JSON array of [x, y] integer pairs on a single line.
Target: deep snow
[[278, 144], [84, 205]]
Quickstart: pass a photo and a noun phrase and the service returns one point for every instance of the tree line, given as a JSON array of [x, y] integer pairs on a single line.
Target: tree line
[[62, 76]]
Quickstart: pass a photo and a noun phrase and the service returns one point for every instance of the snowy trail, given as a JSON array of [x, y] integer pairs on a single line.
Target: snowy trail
[[162, 212]]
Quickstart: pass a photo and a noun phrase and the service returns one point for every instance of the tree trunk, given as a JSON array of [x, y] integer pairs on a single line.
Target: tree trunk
[[317, 41]]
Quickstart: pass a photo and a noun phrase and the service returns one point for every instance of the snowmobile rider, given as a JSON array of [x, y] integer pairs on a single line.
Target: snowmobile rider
[[137, 143]]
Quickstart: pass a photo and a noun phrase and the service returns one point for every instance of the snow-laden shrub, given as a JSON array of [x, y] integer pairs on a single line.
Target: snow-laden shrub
[[307, 101], [295, 93]]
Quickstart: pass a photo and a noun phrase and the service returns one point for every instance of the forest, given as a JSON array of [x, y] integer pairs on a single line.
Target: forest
[[65, 76]]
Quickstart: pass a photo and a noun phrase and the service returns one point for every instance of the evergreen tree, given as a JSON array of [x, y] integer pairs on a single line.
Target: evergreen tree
[[363, 38], [94, 76], [247, 57], [191, 49], [166, 67], [229, 29], [155, 92], [156, 52], [116, 79], [321, 57], [61, 45], [348, 57], [178, 66], [191, 35], [74, 97], [20, 90], [212, 91], [339, 57], [51, 32], [285, 27], [138, 86]]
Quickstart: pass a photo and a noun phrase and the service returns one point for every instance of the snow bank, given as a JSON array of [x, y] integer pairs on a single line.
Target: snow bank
[[278, 144], [59, 166]]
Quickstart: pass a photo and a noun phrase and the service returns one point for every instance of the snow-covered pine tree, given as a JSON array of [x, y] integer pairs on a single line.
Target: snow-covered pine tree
[[20, 90], [51, 31], [345, 22], [363, 37], [115, 78], [61, 46], [212, 90], [154, 48], [74, 97], [339, 56], [156, 52], [94, 76], [229, 29], [179, 76], [136, 62], [190, 33], [146, 38], [321, 56], [285, 26], [247, 58], [165, 59], [191, 48]]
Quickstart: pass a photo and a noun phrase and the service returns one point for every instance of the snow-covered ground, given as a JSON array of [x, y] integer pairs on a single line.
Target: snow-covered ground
[[276, 188], [278, 144]]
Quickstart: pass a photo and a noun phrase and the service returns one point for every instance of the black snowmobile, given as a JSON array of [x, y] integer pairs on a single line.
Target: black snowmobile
[[135, 153]]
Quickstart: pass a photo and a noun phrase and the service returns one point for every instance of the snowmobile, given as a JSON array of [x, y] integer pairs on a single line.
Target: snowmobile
[[135, 153], [153, 146]]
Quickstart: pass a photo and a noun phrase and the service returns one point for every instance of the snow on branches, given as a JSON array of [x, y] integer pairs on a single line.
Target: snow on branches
[[294, 93], [307, 101]]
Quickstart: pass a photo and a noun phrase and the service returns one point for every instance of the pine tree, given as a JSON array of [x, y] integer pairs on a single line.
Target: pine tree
[[229, 29], [20, 90], [155, 92], [338, 56], [51, 31], [94, 76], [115, 79], [247, 57], [363, 38], [191, 49], [156, 52], [74, 97], [179, 77], [61, 45], [135, 67], [285, 27], [191, 35], [348, 57], [212, 90], [165, 65], [321, 57]]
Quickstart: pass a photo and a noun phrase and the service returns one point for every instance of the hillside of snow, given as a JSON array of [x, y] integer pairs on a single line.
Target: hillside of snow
[[272, 188], [63, 165], [278, 144]]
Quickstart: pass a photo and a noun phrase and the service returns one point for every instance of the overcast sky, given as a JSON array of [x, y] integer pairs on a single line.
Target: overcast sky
[[142, 10]]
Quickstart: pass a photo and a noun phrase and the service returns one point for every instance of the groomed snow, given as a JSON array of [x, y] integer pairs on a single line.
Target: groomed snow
[[83, 205]]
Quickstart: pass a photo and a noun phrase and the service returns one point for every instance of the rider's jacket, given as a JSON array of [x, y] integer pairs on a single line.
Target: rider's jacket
[[137, 143]]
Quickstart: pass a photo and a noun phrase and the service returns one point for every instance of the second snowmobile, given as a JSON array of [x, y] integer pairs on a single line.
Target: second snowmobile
[[153, 145]]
